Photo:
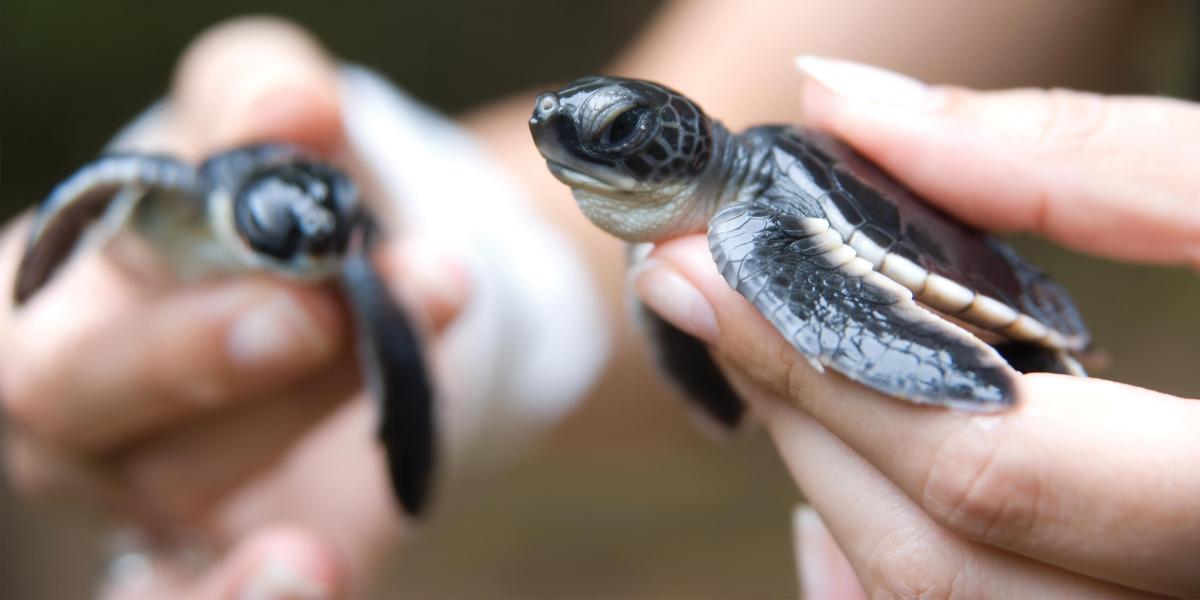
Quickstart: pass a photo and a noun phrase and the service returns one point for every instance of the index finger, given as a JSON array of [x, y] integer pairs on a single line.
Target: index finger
[[1080, 473], [1114, 176]]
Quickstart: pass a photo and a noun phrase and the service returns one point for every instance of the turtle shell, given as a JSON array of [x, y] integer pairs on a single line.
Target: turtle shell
[[951, 267], [861, 276]]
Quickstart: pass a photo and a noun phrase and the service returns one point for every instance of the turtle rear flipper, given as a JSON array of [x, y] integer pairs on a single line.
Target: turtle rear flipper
[[688, 363], [105, 190], [394, 371], [852, 319], [1033, 358]]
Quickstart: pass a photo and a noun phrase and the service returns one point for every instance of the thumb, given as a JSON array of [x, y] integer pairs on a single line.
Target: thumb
[[275, 563]]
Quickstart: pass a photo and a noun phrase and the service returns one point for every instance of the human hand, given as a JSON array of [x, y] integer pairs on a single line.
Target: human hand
[[1088, 488], [214, 413]]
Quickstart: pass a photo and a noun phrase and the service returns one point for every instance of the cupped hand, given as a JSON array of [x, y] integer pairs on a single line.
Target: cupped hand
[[214, 414], [1088, 488]]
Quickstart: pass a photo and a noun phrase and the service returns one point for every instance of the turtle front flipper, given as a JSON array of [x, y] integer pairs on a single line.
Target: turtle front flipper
[[105, 190], [394, 372], [837, 311]]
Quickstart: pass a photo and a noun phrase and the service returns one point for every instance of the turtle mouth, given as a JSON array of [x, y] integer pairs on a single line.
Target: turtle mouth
[[580, 180], [600, 182]]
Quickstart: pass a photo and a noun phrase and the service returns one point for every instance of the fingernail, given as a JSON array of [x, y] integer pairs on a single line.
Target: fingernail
[[277, 579], [811, 565], [275, 330], [867, 83], [437, 271], [823, 568], [666, 292]]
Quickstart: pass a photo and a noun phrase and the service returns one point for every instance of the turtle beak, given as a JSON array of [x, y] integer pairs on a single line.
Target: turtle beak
[[546, 122], [557, 139]]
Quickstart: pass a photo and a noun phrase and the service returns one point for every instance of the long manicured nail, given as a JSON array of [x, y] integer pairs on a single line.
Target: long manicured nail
[[866, 83], [277, 579], [675, 299], [823, 569], [276, 330]]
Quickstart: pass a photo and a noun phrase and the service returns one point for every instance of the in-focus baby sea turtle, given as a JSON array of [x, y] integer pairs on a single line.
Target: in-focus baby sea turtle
[[268, 208], [855, 271]]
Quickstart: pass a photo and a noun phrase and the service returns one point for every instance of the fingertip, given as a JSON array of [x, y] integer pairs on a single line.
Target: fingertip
[[288, 562], [674, 298], [258, 79], [818, 105], [822, 567], [430, 274], [280, 562], [286, 327], [691, 256]]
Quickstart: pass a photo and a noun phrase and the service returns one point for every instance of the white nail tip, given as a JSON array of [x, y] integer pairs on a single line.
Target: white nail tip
[[867, 83]]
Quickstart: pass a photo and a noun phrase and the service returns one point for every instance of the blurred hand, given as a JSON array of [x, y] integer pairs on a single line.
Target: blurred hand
[[214, 416], [1088, 488]]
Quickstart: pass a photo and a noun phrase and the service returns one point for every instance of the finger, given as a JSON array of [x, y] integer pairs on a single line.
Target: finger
[[193, 352], [1113, 176], [257, 79], [42, 471], [429, 275], [824, 570], [894, 547], [356, 512], [181, 477], [280, 562], [1065, 478], [199, 350]]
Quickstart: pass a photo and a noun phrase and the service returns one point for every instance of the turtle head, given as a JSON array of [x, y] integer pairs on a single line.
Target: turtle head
[[290, 212], [294, 212], [632, 151]]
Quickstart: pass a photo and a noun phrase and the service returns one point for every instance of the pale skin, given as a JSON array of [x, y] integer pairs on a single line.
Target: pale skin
[[162, 453]]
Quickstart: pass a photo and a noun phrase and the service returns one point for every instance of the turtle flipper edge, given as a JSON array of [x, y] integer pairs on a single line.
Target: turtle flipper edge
[[394, 372], [855, 321], [111, 183]]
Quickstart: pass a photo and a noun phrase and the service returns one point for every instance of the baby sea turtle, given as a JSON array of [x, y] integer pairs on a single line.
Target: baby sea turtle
[[267, 208], [851, 267]]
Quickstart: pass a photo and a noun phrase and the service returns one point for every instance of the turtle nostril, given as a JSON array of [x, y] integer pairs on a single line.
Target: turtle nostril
[[545, 106]]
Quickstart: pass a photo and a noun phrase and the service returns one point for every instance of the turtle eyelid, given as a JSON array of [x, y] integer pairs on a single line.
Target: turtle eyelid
[[610, 117]]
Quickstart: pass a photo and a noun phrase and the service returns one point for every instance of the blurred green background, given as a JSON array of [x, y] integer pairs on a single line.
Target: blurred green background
[[625, 499]]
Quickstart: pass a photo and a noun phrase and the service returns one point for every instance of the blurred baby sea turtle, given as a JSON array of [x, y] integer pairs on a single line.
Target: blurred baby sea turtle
[[854, 270], [264, 208]]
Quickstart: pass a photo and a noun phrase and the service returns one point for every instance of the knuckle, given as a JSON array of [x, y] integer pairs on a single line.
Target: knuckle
[[978, 485], [31, 397], [31, 472], [910, 564], [1068, 122], [28, 407]]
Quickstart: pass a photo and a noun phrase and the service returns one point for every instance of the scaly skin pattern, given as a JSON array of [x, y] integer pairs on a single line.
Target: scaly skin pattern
[[853, 269]]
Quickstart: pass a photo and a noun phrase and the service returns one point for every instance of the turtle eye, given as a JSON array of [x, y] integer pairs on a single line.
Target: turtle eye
[[626, 131]]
